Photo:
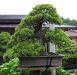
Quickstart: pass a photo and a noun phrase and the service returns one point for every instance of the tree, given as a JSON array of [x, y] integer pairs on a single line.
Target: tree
[[69, 21], [69, 51], [29, 37]]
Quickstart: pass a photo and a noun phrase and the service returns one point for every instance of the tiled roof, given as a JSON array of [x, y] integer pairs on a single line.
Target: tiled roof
[[4, 19], [71, 33], [11, 16], [59, 26]]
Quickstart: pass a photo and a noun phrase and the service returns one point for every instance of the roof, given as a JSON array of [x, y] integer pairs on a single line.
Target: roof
[[59, 26], [8, 26], [71, 33], [15, 19], [10, 19], [65, 26], [2, 17]]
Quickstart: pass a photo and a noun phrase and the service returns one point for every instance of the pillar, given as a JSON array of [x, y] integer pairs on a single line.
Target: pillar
[[52, 48]]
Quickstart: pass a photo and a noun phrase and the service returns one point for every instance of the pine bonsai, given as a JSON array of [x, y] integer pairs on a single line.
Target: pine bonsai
[[29, 37]]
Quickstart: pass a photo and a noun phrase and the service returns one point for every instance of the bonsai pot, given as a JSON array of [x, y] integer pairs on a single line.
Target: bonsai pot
[[70, 63], [40, 61]]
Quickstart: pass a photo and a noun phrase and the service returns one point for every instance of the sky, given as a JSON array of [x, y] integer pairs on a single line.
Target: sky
[[65, 8]]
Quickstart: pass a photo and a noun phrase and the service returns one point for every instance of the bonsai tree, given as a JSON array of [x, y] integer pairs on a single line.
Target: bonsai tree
[[69, 52], [29, 37]]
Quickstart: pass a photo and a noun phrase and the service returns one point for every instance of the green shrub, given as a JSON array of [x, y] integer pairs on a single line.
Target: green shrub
[[61, 71], [10, 68], [4, 39], [69, 52]]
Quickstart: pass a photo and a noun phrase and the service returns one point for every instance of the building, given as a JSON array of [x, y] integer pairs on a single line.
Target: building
[[9, 22]]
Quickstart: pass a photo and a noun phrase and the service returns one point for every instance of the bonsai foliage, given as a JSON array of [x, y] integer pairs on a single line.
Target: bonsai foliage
[[29, 37], [40, 14], [58, 37]]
